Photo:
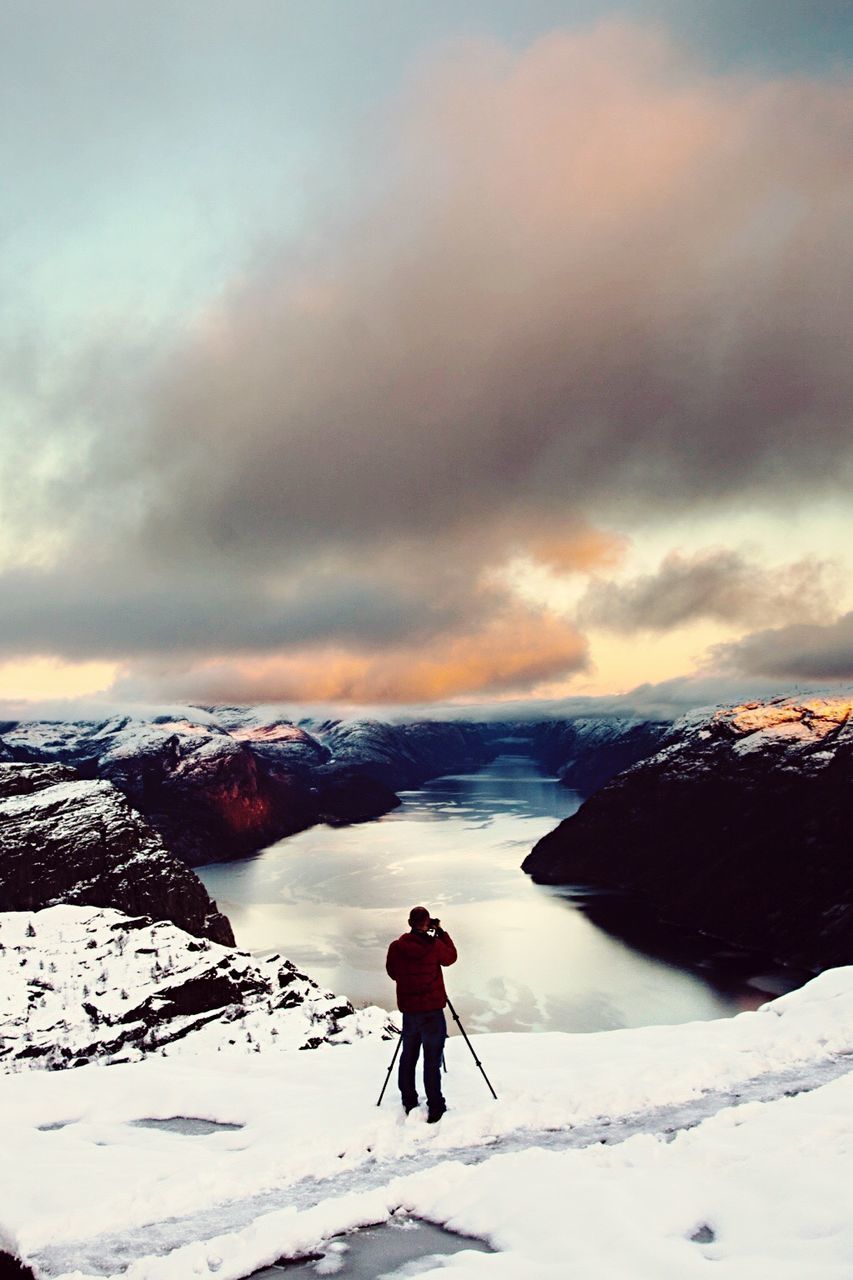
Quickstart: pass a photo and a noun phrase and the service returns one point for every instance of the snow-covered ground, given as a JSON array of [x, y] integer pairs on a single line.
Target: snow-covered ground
[[79, 984], [609, 1155]]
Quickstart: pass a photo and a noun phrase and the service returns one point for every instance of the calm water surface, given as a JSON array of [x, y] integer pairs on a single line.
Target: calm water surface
[[331, 899]]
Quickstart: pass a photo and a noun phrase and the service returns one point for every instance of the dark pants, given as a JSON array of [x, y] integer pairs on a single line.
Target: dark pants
[[430, 1030]]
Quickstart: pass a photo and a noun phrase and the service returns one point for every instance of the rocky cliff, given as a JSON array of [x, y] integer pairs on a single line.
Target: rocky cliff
[[79, 984], [588, 751], [225, 781], [73, 840], [222, 782], [403, 756], [740, 826]]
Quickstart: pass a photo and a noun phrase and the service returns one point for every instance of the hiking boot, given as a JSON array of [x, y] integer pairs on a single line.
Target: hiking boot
[[411, 1106], [435, 1114]]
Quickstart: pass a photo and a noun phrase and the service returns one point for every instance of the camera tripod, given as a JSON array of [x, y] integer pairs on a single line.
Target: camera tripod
[[467, 1041]]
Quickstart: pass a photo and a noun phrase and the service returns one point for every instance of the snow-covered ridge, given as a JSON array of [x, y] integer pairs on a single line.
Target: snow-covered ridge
[[798, 726], [221, 782], [79, 985]]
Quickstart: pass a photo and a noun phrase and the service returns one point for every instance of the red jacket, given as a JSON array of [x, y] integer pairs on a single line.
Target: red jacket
[[414, 962]]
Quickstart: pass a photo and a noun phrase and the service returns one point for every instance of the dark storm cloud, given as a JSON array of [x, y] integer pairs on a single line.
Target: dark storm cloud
[[557, 305], [803, 652], [110, 614], [718, 584]]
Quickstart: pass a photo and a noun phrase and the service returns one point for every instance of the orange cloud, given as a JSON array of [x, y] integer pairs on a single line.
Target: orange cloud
[[580, 552], [514, 652]]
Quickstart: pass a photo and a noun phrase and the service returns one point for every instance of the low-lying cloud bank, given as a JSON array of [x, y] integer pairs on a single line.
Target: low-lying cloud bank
[[666, 700]]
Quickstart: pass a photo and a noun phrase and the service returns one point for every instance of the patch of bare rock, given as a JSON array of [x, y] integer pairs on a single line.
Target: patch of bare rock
[[67, 839]]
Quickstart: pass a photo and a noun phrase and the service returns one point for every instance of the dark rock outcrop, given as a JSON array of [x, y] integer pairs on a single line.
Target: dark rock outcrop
[[587, 752], [73, 840], [12, 1268], [739, 827], [403, 756], [346, 795]]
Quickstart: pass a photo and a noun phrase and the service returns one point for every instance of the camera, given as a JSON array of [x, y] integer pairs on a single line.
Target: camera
[[434, 925]]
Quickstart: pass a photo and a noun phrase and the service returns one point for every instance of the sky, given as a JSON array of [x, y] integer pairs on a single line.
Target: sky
[[380, 353]]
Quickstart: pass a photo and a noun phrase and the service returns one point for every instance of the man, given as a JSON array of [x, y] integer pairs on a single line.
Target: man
[[414, 962]]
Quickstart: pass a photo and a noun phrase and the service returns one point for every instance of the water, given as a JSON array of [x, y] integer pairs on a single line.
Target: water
[[530, 959], [401, 1247]]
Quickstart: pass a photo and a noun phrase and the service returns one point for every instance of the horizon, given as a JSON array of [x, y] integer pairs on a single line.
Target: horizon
[[670, 701]]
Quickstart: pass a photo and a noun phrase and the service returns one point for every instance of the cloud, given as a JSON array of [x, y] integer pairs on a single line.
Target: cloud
[[596, 279], [715, 584], [801, 652], [514, 651], [99, 610], [592, 282]]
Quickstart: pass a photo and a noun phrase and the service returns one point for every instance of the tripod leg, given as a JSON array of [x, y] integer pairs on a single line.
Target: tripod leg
[[471, 1047], [390, 1069]]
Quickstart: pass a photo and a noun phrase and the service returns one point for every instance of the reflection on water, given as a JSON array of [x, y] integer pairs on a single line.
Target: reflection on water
[[331, 899]]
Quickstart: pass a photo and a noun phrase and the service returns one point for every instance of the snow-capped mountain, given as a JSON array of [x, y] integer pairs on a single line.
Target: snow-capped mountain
[[223, 782], [739, 826]]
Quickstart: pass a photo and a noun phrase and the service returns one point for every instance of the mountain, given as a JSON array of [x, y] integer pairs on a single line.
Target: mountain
[[79, 985], [404, 756], [739, 826], [64, 838], [588, 751], [220, 783]]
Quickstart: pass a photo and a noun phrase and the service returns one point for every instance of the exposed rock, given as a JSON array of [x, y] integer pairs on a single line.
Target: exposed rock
[[67, 839], [232, 780], [207, 793], [588, 751], [79, 985], [27, 779], [12, 1268], [347, 795], [740, 827], [403, 756]]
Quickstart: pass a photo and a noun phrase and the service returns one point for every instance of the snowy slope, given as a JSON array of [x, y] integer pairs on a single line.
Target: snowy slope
[[79, 984], [761, 1188]]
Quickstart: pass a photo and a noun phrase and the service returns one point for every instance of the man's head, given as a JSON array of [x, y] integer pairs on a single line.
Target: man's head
[[419, 919]]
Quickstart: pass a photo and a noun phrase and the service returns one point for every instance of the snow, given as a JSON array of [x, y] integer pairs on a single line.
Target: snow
[[92, 1193], [31, 802], [83, 982]]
